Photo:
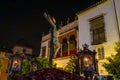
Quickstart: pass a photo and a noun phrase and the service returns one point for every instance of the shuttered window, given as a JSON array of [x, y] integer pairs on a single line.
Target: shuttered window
[[97, 30]]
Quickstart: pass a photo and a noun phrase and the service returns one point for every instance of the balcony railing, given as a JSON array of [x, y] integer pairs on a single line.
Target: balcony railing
[[64, 54]]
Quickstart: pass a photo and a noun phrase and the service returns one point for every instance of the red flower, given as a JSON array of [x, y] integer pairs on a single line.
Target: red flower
[[51, 74]]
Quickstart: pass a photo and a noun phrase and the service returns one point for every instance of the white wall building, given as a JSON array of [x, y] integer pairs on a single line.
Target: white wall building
[[99, 27]]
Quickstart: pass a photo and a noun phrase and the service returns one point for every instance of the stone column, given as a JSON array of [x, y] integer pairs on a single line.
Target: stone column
[[68, 47]]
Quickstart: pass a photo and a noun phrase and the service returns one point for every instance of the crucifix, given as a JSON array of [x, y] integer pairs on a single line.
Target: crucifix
[[54, 42]]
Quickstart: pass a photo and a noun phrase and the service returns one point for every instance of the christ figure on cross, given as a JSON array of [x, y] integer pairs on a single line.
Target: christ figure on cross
[[55, 33]]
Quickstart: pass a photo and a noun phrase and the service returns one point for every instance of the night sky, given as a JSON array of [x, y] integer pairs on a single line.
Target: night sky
[[24, 19]]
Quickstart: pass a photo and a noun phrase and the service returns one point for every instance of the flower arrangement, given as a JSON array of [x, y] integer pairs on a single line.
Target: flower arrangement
[[50, 74]]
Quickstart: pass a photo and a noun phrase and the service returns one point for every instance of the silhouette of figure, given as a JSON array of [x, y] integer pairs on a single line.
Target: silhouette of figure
[[55, 33]]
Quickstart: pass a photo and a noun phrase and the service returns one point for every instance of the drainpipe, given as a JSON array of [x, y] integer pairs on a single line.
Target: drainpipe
[[116, 16]]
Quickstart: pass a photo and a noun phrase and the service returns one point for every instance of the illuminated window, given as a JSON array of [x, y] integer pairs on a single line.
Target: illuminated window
[[101, 53], [97, 30]]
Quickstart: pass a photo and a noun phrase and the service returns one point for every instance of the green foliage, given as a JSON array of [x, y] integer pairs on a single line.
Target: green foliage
[[113, 64], [1, 64], [25, 66], [73, 65], [44, 63]]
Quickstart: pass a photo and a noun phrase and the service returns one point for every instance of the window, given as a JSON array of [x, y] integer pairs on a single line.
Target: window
[[97, 30], [101, 53], [72, 42], [43, 51], [64, 45]]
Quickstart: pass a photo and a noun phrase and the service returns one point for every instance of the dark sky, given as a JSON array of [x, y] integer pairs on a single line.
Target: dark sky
[[24, 19]]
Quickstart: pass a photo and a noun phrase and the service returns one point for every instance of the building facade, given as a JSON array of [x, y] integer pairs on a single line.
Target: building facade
[[99, 28], [68, 39], [3, 53], [11, 59], [22, 47]]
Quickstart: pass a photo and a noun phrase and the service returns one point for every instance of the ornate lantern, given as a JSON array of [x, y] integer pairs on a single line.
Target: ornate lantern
[[88, 62], [14, 63]]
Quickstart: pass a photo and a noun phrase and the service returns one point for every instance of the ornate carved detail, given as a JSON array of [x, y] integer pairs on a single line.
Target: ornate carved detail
[[69, 26], [85, 46], [64, 29]]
